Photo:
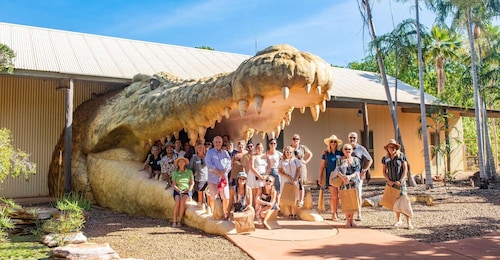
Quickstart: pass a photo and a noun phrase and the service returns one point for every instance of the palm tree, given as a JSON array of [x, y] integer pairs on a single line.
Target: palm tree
[[461, 10], [444, 44]]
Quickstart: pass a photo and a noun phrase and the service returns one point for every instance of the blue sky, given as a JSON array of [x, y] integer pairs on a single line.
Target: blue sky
[[331, 29]]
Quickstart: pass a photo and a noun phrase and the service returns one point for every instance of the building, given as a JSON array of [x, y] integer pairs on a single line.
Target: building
[[33, 98]]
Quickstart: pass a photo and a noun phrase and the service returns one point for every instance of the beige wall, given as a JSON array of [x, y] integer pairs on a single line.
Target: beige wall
[[34, 111], [342, 121]]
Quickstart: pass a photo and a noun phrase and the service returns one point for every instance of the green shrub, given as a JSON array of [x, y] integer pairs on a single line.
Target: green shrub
[[71, 217], [7, 207]]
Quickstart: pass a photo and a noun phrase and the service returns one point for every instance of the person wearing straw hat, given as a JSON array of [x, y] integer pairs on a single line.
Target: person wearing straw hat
[[183, 183], [395, 170], [329, 162]]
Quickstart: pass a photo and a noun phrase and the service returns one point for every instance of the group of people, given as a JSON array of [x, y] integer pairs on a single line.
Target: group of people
[[351, 162], [249, 178]]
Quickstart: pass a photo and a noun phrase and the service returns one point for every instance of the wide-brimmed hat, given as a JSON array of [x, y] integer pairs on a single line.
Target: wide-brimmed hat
[[176, 162], [393, 142], [333, 138], [242, 174], [169, 144]]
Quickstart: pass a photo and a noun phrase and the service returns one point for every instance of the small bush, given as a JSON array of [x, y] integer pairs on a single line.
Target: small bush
[[7, 207]]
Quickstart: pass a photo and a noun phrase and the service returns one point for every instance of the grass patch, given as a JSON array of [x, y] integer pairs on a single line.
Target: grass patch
[[24, 247]]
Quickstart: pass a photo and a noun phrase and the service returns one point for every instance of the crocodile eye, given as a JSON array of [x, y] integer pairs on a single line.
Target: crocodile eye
[[154, 84]]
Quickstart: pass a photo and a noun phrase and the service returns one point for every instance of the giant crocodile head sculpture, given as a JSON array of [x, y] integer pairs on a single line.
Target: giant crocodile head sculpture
[[113, 133]]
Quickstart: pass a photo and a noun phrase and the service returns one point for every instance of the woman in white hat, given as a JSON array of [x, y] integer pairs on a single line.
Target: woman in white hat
[[329, 162], [395, 169], [182, 182]]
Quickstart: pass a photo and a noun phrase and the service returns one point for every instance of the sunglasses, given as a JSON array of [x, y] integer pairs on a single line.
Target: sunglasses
[[295, 139], [272, 143], [352, 137], [347, 149], [244, 179], [269, 181], [333, 142]]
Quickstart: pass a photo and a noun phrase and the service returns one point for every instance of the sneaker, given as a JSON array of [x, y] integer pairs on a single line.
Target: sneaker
[[174, 224], [359, 218], [398, 224], [179, 224], [411, 227]]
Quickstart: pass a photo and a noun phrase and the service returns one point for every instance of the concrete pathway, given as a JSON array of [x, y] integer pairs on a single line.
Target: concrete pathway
[[330, 240]]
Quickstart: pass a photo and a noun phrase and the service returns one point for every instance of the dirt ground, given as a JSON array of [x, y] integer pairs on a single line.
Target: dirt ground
[[460, 211]]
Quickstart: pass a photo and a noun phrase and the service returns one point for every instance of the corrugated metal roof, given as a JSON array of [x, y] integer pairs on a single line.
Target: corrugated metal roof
[[49, 50], [363, 85]]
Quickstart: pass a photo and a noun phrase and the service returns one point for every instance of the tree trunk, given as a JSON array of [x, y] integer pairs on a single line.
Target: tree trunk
[[477, 102], [381, 66], [428, 173]]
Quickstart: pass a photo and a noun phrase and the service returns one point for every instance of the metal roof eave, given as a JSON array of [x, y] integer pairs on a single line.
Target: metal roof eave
[[59, 75]]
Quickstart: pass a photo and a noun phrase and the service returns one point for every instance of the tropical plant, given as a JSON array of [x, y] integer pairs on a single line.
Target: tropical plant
[[13, 162], [71, 217], [7, 207], [6, 58], [466, 14], [443, 45]]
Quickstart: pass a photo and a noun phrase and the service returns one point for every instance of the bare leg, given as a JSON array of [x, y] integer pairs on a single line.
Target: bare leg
[[182, 207], [176, 210], [399, 222], [334, 202]]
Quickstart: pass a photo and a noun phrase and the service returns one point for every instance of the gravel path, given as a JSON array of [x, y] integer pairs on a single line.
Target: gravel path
[[460, 212]]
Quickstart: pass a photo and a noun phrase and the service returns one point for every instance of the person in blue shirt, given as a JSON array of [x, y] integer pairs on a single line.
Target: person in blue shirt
[[328, 163], [218, 161]]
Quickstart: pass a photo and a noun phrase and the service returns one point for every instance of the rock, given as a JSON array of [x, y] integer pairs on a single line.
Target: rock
[[85, 251], [52, 240]]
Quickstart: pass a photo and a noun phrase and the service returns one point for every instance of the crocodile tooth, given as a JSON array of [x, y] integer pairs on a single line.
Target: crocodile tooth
[[168, 138], [263, 135], [151, 142], [327, 97], [243, 107], [271, 135], [176, 135], [202, 131], [283, 123], [285, 91], [227, 111], [302, 110], [319, 90], [219, 118], [308, 88], [193, 136], [247, 135], [315, 112], [258, 101], [323, 106]]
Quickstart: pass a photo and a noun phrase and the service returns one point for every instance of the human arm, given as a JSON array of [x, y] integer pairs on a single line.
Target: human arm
[[298, 166], [307, 155], [322, 168], [146, 163], [249, 199]]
